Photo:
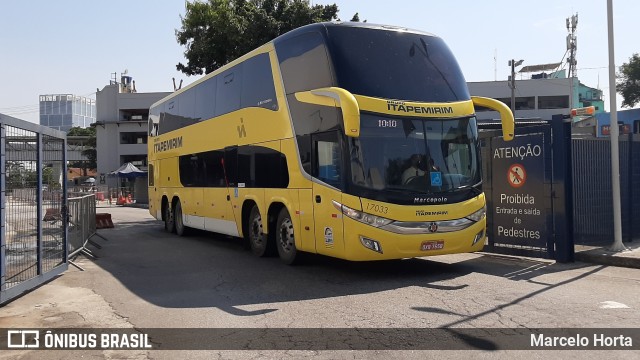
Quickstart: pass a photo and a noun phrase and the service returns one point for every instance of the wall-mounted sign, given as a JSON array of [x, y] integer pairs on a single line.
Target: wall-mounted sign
[[622, 128], [519, 215]]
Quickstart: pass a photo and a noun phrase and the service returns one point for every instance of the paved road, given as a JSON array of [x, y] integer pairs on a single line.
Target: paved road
[[146, 278]]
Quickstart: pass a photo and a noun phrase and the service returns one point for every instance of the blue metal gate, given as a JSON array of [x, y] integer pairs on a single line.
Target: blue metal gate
[[593, 202], [33, 237]]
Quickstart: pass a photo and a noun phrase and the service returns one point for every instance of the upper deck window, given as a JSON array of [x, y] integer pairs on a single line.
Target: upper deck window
[[395, 65], [304, 63]]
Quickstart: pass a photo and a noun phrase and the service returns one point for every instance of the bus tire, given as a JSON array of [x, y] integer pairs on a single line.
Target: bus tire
[[255, 236], [181, 229], [285, 239], [169, 223]]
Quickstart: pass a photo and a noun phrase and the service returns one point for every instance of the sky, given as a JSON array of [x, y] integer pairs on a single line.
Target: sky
[[75, 46]]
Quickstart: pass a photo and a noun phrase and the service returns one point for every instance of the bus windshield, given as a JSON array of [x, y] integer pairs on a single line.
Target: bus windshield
[[426, 156], [395, 65]]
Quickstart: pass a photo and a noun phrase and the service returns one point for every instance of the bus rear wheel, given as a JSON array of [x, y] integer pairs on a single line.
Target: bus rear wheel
[[181, 229], [169, 223], [285, 239], [255, 235]]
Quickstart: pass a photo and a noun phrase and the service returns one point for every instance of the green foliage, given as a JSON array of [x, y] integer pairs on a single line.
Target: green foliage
[[216, 32], [90, 148], [628, 84], [79, 131], [47, 178]]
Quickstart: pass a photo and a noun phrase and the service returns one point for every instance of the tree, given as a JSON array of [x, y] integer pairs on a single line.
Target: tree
[[90, 148], [628, 84], [216, 32]]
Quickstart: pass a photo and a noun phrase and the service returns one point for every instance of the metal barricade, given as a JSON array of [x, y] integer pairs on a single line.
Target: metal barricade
[[82, 223]]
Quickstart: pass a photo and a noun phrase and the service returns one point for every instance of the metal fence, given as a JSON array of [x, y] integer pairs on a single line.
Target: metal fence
[[592, 201], [33, 242]]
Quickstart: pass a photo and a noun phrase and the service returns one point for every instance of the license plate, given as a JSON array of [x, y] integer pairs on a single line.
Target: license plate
[[432, 245]]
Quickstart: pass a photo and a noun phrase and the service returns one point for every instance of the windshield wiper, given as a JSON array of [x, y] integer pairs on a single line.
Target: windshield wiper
[[473, 188], [406, 190]]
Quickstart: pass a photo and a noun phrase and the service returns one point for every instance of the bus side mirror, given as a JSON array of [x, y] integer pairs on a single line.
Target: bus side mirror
[[338, 97], [506, 116]]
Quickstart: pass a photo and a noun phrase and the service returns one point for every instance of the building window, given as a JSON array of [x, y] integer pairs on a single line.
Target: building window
[[133, 138], [553, 102], [526, 103], [140, 161]]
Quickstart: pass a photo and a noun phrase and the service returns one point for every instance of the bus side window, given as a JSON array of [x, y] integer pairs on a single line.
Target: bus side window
[[327, 164], [258, 89], [228, 89]]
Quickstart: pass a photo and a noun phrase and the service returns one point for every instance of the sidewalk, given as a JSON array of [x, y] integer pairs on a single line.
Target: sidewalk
[[601, 255]]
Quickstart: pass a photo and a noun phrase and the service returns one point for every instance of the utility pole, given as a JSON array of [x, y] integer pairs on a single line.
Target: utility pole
[[572, 47], [613, 137], [512, 83]]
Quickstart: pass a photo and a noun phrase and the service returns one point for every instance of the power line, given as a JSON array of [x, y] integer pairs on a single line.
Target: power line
[[28, 109]]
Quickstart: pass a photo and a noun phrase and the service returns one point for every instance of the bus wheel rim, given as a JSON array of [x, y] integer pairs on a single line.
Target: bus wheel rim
[[286, 235], [179, 217], [169, 215], [256, 230]]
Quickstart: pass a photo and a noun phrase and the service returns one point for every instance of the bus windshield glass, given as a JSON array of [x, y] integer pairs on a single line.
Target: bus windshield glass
[[426, 156], [395, 65]]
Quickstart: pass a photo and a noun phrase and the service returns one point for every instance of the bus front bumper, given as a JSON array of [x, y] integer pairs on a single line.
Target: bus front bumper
[[366, 243]]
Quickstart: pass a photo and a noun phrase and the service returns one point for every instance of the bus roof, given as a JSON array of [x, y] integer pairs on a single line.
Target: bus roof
[[303, 29], [324, 25]]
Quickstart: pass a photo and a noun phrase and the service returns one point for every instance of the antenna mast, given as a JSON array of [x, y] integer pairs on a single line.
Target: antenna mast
[[572, 44]]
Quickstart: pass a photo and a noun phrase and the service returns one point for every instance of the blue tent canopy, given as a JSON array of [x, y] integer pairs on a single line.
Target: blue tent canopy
[[128, 170]]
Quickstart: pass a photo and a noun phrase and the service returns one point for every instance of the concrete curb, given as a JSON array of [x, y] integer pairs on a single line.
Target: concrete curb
[[602, 255], [609, 260]]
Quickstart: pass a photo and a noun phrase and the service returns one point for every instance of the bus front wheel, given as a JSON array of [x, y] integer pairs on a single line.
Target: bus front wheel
[[285, 238]]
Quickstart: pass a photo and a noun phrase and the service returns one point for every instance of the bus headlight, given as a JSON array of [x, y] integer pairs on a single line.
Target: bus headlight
[[365, 218], [478, 215]]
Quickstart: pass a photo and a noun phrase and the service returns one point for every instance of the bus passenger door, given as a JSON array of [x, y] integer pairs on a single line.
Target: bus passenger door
[[327, 167], [219, 217], [230, 172]]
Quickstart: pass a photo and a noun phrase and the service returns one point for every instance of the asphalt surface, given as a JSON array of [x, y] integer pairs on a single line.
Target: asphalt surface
[[146, 278]]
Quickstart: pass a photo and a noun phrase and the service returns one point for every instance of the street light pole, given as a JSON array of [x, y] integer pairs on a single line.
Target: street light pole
[[613, 137], [512, 83], [513, 87]]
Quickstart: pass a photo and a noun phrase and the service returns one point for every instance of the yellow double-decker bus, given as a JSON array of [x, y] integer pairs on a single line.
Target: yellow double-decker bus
[[351, 140]]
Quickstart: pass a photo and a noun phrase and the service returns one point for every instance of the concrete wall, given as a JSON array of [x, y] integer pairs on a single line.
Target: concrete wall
[[131, 101], [628, 116], [110, 106], [109, 148], [107, 104]]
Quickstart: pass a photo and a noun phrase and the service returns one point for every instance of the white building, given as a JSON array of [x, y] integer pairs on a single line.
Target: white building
[[540, 97], [121, 126]]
